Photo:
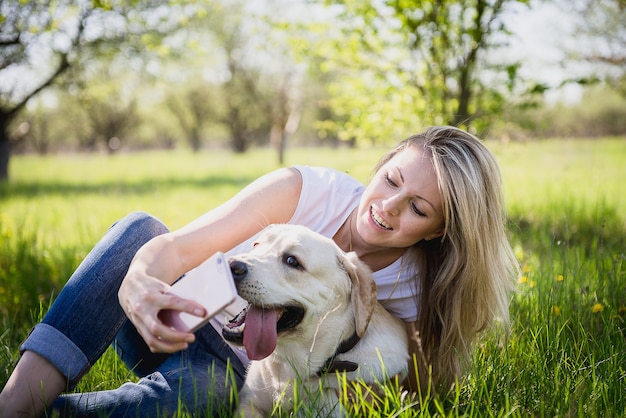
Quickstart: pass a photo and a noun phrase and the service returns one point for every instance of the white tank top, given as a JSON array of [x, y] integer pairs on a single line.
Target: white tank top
[[327, 198]]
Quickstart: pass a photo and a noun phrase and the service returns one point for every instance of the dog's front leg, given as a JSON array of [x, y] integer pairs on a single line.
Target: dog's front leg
[[252, 404], [326, 404], [257, 395]]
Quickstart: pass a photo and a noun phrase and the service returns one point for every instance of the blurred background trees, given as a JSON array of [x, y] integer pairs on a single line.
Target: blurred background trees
[[128, 75]]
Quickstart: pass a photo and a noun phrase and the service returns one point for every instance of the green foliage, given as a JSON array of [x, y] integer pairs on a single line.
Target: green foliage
[[414, 62], [189, 71], [566, 200], [600, 112]]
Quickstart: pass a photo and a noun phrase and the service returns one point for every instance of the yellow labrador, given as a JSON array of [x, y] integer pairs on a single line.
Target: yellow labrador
[[312, 311]]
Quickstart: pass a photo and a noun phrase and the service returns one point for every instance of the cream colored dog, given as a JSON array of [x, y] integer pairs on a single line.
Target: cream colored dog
[[312, 311]]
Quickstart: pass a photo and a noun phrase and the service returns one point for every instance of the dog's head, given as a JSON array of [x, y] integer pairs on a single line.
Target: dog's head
[[301, 286]]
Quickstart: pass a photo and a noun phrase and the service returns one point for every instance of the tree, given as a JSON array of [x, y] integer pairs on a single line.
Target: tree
[[193, 109], [257, 80], [244, 101], [109, 121], [416, 62], [601, 30], [23, 27], [286, 112], [40, 40]]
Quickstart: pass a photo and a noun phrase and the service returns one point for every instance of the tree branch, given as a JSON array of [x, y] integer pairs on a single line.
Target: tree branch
[[64, 64], [15, 40]]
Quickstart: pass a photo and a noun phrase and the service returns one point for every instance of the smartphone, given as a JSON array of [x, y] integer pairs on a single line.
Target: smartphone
[[210, 284]]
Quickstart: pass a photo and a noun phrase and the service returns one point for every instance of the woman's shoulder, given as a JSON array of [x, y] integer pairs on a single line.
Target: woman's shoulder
[[326, 199], [324, 185], [326, 175]]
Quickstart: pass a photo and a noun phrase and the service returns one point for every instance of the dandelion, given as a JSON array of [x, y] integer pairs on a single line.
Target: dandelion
[[556, 310], [559, 278], [597, 308], [523, 279], [532, 284], [526, 269]]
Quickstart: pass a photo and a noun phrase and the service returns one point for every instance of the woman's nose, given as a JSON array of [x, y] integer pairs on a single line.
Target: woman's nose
[[391, 205]]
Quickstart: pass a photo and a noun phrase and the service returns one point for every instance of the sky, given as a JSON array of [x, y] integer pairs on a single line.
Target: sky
[[541, 37]]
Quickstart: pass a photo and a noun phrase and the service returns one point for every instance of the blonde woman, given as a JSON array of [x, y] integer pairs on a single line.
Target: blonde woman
[[430, 224]]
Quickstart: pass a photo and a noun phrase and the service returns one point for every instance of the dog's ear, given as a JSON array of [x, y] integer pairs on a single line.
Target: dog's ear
[[363, 291]]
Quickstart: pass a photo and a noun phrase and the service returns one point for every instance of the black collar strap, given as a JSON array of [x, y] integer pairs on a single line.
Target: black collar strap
[[331, 365]]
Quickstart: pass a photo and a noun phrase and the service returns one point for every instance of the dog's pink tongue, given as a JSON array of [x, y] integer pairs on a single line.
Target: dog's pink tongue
[[259, 335]]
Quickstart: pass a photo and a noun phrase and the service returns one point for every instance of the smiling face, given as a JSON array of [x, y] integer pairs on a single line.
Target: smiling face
[[402, 204]]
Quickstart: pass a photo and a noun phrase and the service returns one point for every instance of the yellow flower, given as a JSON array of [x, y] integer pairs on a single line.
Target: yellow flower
[[597, 308], [523, 279], [532, 283], [559, 278], [526, 269], [556, 311]]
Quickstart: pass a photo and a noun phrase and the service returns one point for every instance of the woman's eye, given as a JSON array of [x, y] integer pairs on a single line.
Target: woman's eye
[[390, 181], [292, 261], [416, 210]]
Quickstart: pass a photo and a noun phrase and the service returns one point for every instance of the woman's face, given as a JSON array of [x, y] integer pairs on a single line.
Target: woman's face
[[402, 203]]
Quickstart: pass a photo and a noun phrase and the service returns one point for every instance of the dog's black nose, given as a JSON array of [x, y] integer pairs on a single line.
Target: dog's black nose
[[239, 269]]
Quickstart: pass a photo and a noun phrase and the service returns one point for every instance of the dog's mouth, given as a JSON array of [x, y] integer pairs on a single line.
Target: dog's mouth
[[257, 327]]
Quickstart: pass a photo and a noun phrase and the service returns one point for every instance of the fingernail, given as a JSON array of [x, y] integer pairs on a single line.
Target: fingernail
[[198, 312]]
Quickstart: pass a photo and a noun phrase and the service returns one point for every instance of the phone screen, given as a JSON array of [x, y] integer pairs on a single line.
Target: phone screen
[[210, 284]]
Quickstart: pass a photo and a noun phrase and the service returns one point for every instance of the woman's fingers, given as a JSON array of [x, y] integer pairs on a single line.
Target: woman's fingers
[[163, 339], [142, 298], [189, 306]]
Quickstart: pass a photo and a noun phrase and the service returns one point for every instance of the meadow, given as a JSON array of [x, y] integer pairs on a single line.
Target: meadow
[[566, 201]]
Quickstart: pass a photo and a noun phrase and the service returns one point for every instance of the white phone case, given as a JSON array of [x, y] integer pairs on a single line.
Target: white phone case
[[210, 284]]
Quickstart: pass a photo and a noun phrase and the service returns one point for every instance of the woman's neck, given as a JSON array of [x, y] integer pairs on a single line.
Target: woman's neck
[[376, 258]]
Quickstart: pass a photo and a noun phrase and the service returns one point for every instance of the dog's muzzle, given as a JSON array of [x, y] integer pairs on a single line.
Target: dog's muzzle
[[262, 321]]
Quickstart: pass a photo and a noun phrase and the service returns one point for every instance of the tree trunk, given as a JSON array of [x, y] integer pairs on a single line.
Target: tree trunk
[[277, 140], [194, 139], [5, 150], [462, 116], [239, 143]]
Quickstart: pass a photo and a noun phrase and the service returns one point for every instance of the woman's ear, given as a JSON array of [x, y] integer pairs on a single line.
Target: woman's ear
[[437, 234]]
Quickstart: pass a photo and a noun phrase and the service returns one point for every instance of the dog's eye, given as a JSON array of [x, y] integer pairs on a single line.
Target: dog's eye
[[292, 261]]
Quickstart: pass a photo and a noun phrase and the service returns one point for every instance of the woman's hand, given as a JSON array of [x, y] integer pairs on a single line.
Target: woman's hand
[[166, 257], [142, 297]]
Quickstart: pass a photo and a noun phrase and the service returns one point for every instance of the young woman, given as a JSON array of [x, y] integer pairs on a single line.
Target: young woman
[[430, 224]]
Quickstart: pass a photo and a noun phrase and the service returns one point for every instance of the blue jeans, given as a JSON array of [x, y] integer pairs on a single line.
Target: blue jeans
[[86, 318]]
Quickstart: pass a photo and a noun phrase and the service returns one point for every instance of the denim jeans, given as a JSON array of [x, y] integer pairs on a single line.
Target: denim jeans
[[86, 318]]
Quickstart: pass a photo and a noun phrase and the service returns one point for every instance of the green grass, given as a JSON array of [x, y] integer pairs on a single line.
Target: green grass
[[567, 208]]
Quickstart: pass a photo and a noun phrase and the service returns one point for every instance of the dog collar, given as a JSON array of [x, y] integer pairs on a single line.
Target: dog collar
[[331, 365]]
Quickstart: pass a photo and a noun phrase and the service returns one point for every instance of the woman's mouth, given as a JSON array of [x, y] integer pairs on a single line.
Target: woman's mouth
[[380, 222]]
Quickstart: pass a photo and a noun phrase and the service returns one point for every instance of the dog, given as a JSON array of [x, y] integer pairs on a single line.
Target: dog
[[312, 311]]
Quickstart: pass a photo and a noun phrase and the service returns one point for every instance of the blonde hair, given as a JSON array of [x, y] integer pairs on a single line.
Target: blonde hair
[[467, 274]]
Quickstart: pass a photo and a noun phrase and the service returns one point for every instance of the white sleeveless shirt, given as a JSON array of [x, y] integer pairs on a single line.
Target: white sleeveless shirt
[[327, 198]]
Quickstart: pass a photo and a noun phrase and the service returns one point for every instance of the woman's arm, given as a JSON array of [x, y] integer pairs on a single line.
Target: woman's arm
[[270, 199]]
